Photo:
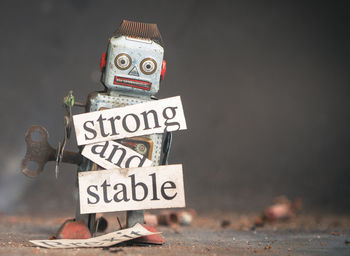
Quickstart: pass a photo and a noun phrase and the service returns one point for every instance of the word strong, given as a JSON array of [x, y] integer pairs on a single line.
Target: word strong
[[110, 155], [131, 189], [151, 117]]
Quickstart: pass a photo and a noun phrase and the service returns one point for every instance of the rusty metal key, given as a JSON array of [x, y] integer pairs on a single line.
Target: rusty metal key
[[40, 152]]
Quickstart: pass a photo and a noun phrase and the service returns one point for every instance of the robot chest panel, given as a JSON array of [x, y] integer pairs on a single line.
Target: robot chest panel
[[148, 145], [100, 101]]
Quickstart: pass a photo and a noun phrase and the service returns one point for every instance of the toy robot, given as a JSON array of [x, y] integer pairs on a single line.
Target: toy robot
[[132, 69]]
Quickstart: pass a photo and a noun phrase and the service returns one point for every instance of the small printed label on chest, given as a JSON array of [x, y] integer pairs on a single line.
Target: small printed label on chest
[[110, 155], [152, 117], [131, 189]]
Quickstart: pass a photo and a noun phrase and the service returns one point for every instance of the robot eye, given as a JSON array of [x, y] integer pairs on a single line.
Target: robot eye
[[148, 66], [122, 61]]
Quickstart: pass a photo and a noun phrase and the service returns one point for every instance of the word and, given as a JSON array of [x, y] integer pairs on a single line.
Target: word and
[[110, 155], [100, 241], [156, 116], [131, 189]]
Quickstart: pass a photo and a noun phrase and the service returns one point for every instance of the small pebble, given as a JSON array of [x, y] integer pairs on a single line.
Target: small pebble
[[225, 223]]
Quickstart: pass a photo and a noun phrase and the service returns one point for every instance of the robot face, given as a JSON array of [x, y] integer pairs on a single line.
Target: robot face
[[133, 65]]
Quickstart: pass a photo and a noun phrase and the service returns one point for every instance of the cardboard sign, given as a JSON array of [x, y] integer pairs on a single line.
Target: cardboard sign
[[100, 241], [151, 117], [110, 155], [131, 189]]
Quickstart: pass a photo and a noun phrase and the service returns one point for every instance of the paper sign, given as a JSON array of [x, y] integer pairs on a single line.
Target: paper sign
[[155, 116], [100, 241], [110, 155], [131, 189]]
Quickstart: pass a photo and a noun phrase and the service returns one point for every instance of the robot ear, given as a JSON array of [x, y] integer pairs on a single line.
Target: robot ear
[[162, 73], [103, 61]]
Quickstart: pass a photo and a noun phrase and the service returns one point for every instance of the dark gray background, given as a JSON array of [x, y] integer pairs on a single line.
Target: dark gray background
[[265, 89]]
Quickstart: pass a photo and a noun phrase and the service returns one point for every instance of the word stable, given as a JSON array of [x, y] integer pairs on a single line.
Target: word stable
[[131, 189], [156, 116], [101, 241], [110, 155]]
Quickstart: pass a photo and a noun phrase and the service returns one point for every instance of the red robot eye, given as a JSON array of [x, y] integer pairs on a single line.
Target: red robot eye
[[103, 61], [162, 73]]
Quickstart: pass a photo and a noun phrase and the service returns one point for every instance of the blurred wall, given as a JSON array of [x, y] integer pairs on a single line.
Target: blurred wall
[[265, 88]]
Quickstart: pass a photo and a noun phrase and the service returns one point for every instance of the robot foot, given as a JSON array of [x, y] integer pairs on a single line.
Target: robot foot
[[72, 229], [151, 239]]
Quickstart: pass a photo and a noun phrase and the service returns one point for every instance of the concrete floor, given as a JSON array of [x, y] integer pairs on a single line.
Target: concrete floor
[[305, 235]]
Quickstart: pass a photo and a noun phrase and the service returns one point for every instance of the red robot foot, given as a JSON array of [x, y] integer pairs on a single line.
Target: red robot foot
[[151, 239], [72, 229]]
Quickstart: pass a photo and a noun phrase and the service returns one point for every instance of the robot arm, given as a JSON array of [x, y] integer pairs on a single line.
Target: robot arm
[[68, 103], [41, 152]]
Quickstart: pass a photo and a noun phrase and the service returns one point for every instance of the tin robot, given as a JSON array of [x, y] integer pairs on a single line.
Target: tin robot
[[132, 69]]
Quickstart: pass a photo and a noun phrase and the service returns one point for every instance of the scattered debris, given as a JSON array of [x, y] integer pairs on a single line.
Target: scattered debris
[[282, 210], [170, 218], [244, 223], [225, 223], [267, 247], [259, 222], [186, 217]]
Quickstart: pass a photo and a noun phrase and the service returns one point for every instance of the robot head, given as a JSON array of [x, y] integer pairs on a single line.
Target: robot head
[[134, 62]]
